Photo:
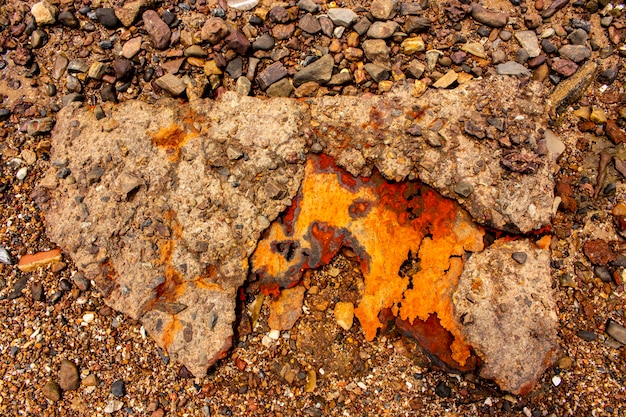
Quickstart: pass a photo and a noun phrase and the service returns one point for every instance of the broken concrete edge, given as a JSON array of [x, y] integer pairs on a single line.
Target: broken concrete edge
[[142, 178]]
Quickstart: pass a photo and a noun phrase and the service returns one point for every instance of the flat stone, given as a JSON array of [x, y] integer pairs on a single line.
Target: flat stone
[[319, 71], [576, 53], [382, 30], [172, 84], [281, 88], [286, 309], [106, 16], [342, 16], [528, 40], [271, 74], [410, 46], [243, 5], [489, 17], [238, 42], [69, 378], [447, 80], [475, 48], [512, 68]]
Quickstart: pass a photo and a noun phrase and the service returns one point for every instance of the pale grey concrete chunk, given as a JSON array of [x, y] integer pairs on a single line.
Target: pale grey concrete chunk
[[508, 313]]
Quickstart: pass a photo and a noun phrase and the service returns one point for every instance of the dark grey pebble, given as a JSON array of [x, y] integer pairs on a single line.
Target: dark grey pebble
[[520, 257], [118, 388], [603, 273], [56, 297], [106, 16], [37, 291], [108, 93], [68, 19], [587, 335], [65, 285], [443, 390], [18, 287]]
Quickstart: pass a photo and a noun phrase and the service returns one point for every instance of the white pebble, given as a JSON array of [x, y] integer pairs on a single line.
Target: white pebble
[[21, 173], [88, 318], [274, 334], [556, 380], [321, 371], [361, 385]]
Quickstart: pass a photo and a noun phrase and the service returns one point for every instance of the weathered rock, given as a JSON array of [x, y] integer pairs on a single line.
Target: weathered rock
[[214, 30], [342, 17], [286, 310], [158, 30], [489, 17], [512, 68], [44, 13], [528, 40], [167, 227], [172, 84], [319, 71], [69, 378], [570, 90], [508, 313], [576, 53], [384, 9]]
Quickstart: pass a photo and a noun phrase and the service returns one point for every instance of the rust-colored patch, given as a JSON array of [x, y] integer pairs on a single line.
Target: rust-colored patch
[[382, 222], [171, 138]]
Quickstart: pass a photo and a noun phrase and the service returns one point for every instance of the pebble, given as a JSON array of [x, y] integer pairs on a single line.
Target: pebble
[[308, 6], [243, 86], [614, 132], [44, 13], [158, 30], [342, 16], [377, 72], [382, 30], [18, 287], [376, 50], [556, 380], [519, 257], [410, 46], [238, 42], [68, 19], [521, 56], [51, 391], [243, 5], [443, 390], [131, 48], [384, 9], [475, 48], [587, 335], [271, 75], [118, 388], [598, 115], [108, 93], [172, 84], [5, 258], [21, 173], [319, 71], [344, 315], [577, 37], [488, 17], [69, 377], [548, 47], [576, 53], [113, 406], [528, 40], [40, 126], [38, 38], [616, 331], [264, 42], [106, 16], [512, 68], [564, 66], [309, 24], [281, 88]]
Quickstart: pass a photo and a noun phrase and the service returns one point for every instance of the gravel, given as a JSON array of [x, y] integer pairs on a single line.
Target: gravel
[[318, 367]]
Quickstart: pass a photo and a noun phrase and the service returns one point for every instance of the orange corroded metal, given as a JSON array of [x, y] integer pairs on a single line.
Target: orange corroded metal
[[384, 223]]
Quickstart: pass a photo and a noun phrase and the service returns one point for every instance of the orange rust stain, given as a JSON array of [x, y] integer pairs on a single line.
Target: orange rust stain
[[171, 139], [169, 332], [382, 222]]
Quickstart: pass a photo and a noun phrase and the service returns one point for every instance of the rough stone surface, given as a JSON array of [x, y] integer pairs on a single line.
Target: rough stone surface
[[509, 302], [158, 30], [166, 228]]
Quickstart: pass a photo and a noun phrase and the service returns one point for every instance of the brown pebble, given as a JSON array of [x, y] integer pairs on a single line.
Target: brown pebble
[[58, 267], [69, 379], [599, 252], [614, 132], [51, 391]]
